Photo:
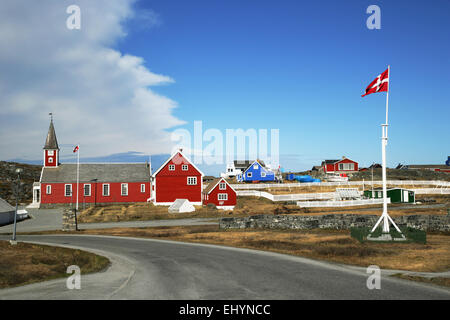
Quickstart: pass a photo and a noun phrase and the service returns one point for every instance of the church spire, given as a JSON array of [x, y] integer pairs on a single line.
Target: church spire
[[51, 142]]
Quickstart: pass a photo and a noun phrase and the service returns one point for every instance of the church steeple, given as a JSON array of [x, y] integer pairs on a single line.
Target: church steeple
[[51, 149]]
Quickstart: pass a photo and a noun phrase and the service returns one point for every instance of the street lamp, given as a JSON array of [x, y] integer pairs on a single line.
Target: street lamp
[[18, 171]]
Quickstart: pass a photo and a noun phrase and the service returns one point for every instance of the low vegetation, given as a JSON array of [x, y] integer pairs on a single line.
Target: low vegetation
[[245, 206], [331, 245], [26, 263], [440, 281]]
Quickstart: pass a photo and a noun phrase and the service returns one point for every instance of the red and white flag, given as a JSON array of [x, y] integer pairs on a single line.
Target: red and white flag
[[76, 149], [381, 83]]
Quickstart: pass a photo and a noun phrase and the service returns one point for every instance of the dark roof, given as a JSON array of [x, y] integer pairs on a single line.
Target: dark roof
[[242, 164], [211, 185], [51, 142], [331, 161], [103, 172], [5, 206]]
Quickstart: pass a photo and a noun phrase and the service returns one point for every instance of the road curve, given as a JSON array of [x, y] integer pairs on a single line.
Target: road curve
[[157, 269]]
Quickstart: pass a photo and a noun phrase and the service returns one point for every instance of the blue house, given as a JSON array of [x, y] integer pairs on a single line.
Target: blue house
[[256, 172]]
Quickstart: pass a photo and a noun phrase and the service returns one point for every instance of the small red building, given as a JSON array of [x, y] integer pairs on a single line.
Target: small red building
[[220, 193], [344, 165], [177, 178]]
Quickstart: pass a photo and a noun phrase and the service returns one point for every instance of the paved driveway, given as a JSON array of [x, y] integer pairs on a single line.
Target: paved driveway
[[51, 219]]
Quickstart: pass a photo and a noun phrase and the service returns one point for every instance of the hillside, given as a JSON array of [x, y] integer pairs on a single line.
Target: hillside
[[8, 177], [402, 174]]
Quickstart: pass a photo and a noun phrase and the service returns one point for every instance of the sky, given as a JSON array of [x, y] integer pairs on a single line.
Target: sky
[[138, 70]]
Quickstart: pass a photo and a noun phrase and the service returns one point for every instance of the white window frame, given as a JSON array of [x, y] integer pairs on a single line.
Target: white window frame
[[185, 166], [263, 174], [103, 190], [191, 181], [142, 187], [249, 174], [84, 190], [222, 186], [50, 153], [346, 166], [255, 167], [65, 190], [48, 189], [171, 167], [222, 196], [126, 189], [50, 159]]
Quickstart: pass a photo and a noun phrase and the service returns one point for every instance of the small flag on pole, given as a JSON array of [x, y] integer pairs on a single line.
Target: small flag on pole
[[381, 83], [76, 149]]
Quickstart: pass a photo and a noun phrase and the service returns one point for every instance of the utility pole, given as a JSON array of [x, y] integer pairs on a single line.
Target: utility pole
[[18, 171]]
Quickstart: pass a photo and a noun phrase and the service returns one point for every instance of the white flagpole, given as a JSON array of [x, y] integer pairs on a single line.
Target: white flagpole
[[78, 174], [385, 216]]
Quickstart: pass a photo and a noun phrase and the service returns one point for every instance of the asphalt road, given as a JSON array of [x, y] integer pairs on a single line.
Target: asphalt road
[[156, 269], [51, 219]]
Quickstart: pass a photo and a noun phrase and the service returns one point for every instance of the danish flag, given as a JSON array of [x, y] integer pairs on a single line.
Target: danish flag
[[381, 83], [76, 149]]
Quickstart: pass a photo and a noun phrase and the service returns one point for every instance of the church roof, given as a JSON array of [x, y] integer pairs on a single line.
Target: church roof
[[51, 142], [100, 172]]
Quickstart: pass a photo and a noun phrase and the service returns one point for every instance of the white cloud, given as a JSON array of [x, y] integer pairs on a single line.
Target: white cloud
[[100, 97]]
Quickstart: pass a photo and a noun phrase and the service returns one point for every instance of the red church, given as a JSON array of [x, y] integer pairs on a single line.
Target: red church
[[220, 193], [98, 183], [177, 178]]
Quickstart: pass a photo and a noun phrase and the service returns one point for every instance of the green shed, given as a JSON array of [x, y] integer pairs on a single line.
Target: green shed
[[397, 195]]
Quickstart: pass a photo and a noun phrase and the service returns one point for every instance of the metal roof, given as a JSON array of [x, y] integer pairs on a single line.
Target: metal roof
[[51, 142], [102, 172]]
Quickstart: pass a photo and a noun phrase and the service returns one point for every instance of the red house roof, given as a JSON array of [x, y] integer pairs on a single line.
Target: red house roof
[[213, 184], [182, 159]]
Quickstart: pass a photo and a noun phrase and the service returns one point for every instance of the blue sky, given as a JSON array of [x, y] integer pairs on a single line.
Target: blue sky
[[137, 70], [302, 67]]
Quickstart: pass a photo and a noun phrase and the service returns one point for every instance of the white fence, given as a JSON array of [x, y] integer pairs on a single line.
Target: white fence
[[322, 195], [337, 203], [287, 197], [431, 191], [254, 186]]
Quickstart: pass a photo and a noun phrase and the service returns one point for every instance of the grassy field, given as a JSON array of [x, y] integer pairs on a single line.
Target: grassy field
[[26, 263], [245, 206], [330, 245]]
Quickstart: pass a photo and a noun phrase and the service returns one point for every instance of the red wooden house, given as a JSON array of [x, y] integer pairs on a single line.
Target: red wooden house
[[177, 178], [220, 193], [344, 165], [98, 183]]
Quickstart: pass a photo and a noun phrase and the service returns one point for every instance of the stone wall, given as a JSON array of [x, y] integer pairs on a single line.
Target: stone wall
[[69, 220], [334, 221]]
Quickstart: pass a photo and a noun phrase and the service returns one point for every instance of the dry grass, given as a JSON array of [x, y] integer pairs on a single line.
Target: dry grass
[[245, 206], [26, 263], [440, 281], [143, 211], [331, 245]]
